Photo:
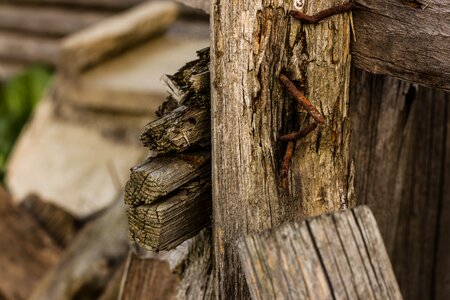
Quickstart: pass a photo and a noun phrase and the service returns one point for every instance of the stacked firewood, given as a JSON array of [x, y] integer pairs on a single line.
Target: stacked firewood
[[169, 194]]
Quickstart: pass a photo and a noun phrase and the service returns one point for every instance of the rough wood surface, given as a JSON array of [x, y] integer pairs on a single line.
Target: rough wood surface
[[90, 260], [407, 39], [113, 35], [29, 48], [172, 220], [250, 109], [159, 176], [400, 135], [60, 224], [337, 256], [46, 20], [147, 279], [27, 251]]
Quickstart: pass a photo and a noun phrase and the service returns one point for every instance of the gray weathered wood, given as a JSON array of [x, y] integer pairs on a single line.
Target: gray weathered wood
[[400, 148], [91, 259], [147, 279], [336, 256], [406, 39], [159, 176], [113, 35], [250, 109], [170, 221], [27, 251], [46, 20], [29, 48]]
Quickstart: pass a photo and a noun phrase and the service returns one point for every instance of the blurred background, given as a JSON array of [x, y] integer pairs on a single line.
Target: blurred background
[[79, 80]]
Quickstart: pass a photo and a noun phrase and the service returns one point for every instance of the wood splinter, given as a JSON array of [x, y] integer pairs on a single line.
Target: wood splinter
[[316, 18]]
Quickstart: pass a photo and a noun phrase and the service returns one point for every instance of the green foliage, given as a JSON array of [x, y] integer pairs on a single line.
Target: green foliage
[[18, 97]]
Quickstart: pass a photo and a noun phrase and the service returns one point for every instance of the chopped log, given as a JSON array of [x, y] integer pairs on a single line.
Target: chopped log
[[27, 251], [60, 224], [406, 39], [113, 35], [337, 256], [159, 176], [109, 4], [147, 279], [167, 223], [29, 48], [90, 260], [46, 20]]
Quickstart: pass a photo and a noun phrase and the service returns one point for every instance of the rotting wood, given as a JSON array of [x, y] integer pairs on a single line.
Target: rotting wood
[[60, 224], [113, 35], [90, 260], [46, 20], [170, 221], [147, 279], [339, 256], [29, 48], [161, 175], [406, 39], [27, 251], [250, 109]]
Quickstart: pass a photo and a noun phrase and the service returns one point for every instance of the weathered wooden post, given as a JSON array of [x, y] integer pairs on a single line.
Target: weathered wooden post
[[253, 41]]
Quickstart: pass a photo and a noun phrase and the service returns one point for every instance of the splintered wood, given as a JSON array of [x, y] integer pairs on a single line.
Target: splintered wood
[[336, 256], [169, 196]]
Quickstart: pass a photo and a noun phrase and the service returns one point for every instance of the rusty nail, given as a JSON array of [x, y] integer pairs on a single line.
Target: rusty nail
[[287, 159], [299, 134], [316, 18]]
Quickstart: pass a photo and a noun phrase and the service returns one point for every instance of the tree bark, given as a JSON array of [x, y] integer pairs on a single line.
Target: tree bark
[[253, 41]]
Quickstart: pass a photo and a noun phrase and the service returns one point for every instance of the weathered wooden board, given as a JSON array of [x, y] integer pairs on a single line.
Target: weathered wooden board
[[406, 39], [172, 220], [337, 256], [113, 35], [27, 251], [46, 20], [401, 153], [147, 279], [29, 48], [91, 259]]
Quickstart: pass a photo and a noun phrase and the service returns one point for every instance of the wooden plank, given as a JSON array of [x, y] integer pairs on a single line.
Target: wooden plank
[[91, 259], [27, 251], [156, 177], [251, 108], [147, 278], [339, 256], [46, 20], [113, 35], [29, 48], [170, 221]]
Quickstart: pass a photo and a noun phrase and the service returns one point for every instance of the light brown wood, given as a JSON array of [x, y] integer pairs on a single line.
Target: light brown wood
[[113, 35], [46, 20], [27, 251], [335, 256], [170, 221], [90, 260], [147, 279], [29, 48], [253, 41], [407, 39], [112, 4]]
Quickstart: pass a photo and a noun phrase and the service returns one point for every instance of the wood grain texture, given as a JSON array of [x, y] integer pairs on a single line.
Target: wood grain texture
[[147, 279], [337, 256], [400, 135], [253, 41], [159, 176], [29, 48], [406, 39], [172, 220], [46, 20], [113, 35], [27, 251], [91, 259]]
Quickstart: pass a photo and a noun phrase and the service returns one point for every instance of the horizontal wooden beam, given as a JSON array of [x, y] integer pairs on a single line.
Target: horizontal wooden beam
[[336, 256]]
